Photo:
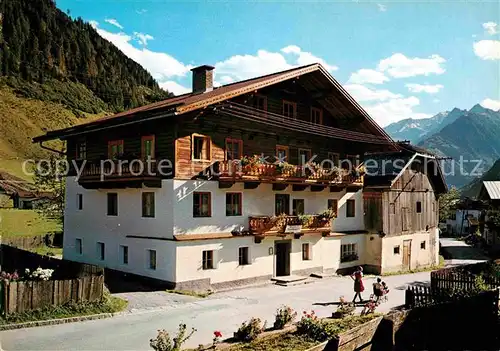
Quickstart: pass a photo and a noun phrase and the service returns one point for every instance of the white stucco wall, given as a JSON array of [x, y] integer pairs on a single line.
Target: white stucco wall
[[259, 201], [418, 258], [92, 225]]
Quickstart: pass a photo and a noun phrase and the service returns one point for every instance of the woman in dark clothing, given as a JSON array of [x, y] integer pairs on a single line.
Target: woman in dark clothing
[[357, 276]]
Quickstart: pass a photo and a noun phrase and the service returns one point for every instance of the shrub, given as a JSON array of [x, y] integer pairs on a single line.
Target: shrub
[[344, 309], [7, 277], [284, 316], [162, 342], [249, 331], [39, 274], [312, 327]]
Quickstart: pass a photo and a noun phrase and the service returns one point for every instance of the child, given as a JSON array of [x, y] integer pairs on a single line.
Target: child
[[378, 289]]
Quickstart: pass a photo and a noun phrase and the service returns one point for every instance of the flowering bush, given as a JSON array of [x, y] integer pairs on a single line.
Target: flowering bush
[[370, 307], [344, 309], [39, 273], [311, 326], [249, 331], [162, 342], [284, 316], [7, 277]]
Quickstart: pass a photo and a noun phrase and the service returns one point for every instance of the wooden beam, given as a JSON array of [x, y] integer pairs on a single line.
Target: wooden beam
[[298, 187], [316, 188], [225, 185], [279, 186], [251, 185]]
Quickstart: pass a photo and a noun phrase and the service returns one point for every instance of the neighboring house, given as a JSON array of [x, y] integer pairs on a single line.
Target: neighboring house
[[466, 218], [402, 210], [214, 221], [20, 193], [490, 193]]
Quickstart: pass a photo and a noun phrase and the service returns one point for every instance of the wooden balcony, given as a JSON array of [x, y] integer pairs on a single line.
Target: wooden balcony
[[274, 173], [284, 224], [120, 174]]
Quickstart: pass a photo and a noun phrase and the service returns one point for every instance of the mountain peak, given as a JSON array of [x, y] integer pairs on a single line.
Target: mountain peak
[[477, 108]]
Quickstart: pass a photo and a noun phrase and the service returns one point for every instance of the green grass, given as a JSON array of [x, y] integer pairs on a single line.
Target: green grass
[[47, 251], [338, 326], [287, 342], [190, 293], [110, 304], [14, 222], [418, 270]]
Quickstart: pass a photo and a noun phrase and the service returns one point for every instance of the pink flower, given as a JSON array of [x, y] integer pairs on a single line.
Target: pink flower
[[304, 312]]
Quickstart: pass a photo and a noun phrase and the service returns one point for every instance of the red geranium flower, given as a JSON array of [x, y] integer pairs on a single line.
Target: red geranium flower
[[218, 334]]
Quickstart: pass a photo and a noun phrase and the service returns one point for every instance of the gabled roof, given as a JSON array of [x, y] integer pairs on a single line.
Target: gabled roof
[[492, 189], [12, 185], [194, 101]]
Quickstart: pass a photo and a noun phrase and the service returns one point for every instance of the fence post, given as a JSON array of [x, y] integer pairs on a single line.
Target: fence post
[[409, 298]]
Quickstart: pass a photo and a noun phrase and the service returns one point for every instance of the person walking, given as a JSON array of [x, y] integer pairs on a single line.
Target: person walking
[[357, 276]]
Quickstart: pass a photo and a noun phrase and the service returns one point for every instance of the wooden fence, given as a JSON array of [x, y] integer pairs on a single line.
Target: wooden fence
[[464, 277], [29, 295], [15, 259]]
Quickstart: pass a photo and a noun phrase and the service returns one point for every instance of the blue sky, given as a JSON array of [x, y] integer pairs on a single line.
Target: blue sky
[[398, 59]]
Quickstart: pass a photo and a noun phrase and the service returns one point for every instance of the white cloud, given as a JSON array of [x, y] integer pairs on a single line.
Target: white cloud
[[224, 79], [174, 87], [400, 66], [382, 7], [239, 67], [141, 11], [94, 24], [424, 88], [304, 58], [143, 38], [436, 101], [363, 93], [490, 28], [162, 66], [487, 49], [369, 76], [491, 104], [393, 110], [113, 22]]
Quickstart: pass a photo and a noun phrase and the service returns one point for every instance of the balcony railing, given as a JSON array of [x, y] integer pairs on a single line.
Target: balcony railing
[[119, 169], [282, 224], [275, 172]]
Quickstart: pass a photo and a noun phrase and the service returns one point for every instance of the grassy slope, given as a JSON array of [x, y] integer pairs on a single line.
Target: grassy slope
[[15, 222], [22, 119]]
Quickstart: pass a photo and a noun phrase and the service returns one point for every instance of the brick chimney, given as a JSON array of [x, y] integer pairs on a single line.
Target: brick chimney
[[203, 79]]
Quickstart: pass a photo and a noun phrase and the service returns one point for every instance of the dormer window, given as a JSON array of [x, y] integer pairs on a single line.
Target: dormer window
[[316, 115], [289, 109]]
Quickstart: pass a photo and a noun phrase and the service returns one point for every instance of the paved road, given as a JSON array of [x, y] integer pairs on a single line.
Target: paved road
[[222, 311], [460, 252]]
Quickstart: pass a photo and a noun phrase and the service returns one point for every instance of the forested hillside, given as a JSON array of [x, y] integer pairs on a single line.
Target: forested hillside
[[40, 44], [55, 72]]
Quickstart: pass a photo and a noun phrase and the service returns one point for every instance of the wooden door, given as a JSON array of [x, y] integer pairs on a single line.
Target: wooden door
[[282, 250], [406, 254]]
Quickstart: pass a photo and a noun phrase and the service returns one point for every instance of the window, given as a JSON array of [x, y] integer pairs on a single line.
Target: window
[[79, 201], [201, 147], [148, 147], [148, 204], [404, 218], [335, 158], [115, 149], [306, 252], [348, 253], [112, 204], [396, 250], [100, 251], [260, 102], [282, 153], [453, 216], [202, 206], [353, 161], [78, 246], [289, 109], [124, 254], [152, 259], [316, 115], [281, 204], [298, 207], [419, 207], [234, 149], [233, 204], [350, 207], [334, 205], [81, 150], [422, 245], [304, 156], [208, 259], [243, 257]]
